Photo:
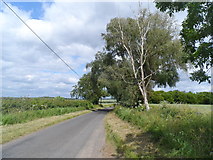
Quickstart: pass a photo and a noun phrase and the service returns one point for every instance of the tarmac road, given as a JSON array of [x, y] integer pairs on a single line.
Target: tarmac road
[[80, 137]]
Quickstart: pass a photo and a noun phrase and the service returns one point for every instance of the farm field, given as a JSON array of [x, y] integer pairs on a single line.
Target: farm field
[[21, 116], [196, 107], [21, 110], [202, 108]]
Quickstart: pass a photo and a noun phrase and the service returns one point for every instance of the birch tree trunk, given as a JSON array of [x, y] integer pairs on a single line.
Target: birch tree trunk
[[141, 82]]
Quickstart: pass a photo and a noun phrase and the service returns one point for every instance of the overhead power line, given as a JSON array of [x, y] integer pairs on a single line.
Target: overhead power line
[[40, 38]]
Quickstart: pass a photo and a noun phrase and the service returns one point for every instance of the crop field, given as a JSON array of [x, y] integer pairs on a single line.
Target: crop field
[[196, 107], [21, 110], [202, 108]]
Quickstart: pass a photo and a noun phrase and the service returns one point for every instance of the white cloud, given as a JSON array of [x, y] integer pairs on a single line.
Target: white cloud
[[185, 84], [73, 30]]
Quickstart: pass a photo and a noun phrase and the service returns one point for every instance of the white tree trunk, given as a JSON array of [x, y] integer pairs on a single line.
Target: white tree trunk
[[141, 82], [146, 101], [144, 94]]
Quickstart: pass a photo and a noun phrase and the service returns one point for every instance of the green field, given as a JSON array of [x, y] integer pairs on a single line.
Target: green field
[[202, 108], [22, 110], [195, 107]]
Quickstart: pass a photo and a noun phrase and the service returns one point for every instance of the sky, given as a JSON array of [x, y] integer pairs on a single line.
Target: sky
[[73, 30]]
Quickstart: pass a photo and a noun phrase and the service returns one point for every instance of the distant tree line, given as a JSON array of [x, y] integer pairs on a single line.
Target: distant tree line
[[181, 97]]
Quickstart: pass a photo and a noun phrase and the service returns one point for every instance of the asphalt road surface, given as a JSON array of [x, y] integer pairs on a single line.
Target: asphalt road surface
[[80, 137]]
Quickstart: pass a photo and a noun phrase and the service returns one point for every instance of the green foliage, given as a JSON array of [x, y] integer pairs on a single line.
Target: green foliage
[[89, 87], [196, 34], [161, 47], [156, 97], [127, 76], [179, 131], [200, 76], [205, 98], [181, 97]]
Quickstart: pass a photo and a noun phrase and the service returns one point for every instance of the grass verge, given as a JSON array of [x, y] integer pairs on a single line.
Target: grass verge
[[180, 132], [11, 132], [130, 141]]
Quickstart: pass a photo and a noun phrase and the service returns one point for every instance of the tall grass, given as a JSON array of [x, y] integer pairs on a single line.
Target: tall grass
[[179, 131]]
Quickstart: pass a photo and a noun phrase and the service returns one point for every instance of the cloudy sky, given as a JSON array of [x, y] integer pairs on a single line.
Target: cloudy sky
[[73, 30]]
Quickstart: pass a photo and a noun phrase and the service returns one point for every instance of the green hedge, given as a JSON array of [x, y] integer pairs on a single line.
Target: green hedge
[[179, 131]]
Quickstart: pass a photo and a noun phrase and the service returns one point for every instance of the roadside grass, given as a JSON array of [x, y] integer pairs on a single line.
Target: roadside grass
[[14, 131], [129, 140], [179, 132]]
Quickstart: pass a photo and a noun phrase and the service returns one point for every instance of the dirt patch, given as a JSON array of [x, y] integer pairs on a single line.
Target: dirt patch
[[109, 150], [130, 141]]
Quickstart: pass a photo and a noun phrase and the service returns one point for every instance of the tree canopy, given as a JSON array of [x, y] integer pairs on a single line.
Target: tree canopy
[[196, 34], [139, 53]]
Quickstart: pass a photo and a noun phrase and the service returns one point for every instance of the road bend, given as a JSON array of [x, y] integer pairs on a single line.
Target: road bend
[[80, 137]]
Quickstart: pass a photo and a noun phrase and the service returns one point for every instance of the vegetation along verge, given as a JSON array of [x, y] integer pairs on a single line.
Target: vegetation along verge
[[171, 132], [129, 141]]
